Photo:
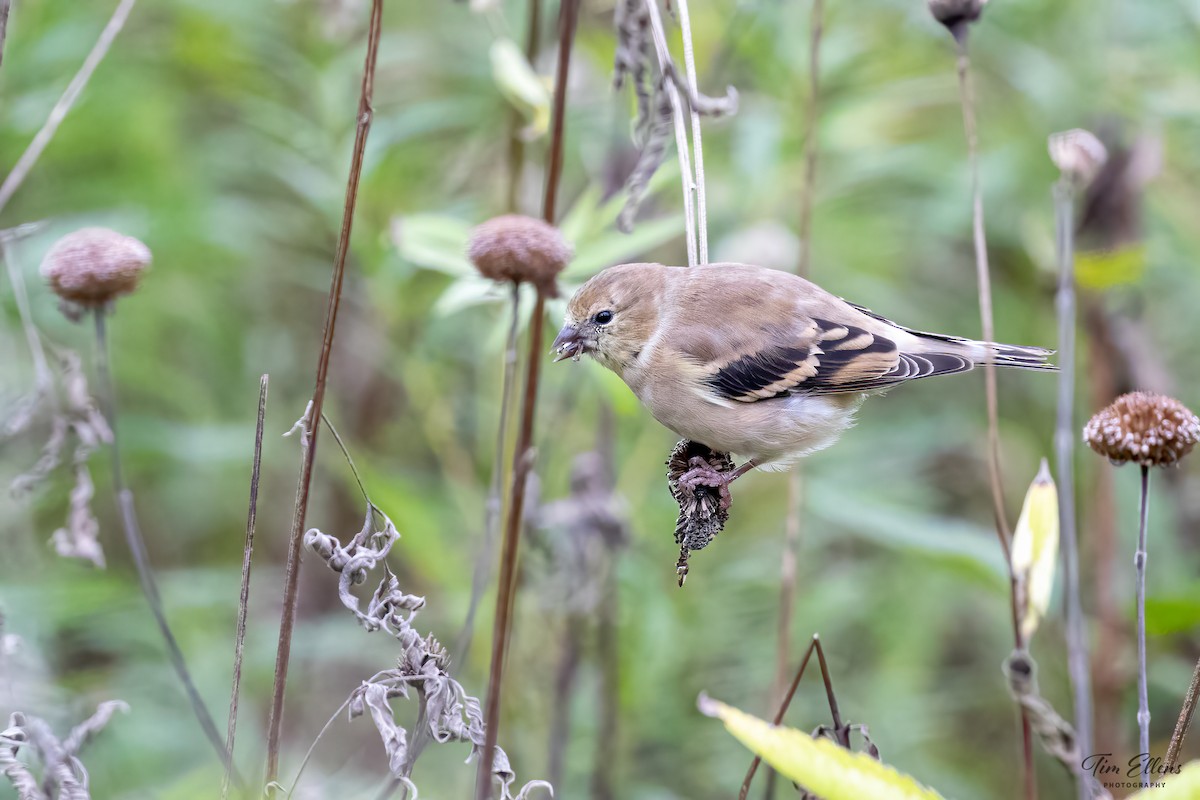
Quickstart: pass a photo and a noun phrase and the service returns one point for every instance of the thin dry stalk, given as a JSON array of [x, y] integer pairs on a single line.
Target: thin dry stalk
[[1064, 446], [681, 141], [523, 455], [689, 64], [292, 575], [792, 528], [516, 145], [494, 505], [1139, 563], [814, 645], [808, 190], [1184, 722], [59, 112], [983, 276], [137, 543], [244, 596]]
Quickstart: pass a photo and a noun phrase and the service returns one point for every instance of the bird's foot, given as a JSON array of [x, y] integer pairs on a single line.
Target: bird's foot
[[703, 474]]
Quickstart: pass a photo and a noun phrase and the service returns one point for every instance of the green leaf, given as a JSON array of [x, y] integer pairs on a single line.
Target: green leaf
[[434, 241], [1184, 786], [819, 765]]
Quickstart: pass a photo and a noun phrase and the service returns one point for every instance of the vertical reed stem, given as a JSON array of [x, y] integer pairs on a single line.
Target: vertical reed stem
[[244, 596], [689, 64], [983, 276], [1064, 446], [1139, 563], [292, 574], [524, 453], [1185, 720], [137, 544]]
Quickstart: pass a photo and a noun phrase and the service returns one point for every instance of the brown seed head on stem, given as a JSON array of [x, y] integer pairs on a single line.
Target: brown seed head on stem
[[520, 249], [93, 266], [1152, 430], [956, 15]]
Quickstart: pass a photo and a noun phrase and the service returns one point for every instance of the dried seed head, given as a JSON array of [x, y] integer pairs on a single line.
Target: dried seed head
[[1148, 429], [956, 14], [519, 249], [1078, 154], [701, 516], [93, 266]]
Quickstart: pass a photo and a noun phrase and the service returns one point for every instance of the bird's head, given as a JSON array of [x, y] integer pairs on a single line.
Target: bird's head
[[613, 315]]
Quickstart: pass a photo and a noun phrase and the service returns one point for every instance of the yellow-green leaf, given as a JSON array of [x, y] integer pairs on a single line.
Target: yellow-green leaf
[[1035, 548], [819, 765], [1184, 786], [521, 86], [1104, 269]]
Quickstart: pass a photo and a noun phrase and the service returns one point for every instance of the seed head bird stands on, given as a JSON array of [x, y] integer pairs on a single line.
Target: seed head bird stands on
[[754, 361]]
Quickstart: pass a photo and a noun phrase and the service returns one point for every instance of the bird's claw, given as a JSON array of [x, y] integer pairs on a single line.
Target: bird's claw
[[703, 474]]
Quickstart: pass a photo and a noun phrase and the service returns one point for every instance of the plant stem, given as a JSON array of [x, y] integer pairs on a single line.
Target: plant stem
[[1064, 446], [479, 580], [244, 596], [516, 145], [137, 545], [689, 63], [814, 645], [524, 453], [1185, 720], [681, 141], [59, 112], [1139, 563], [792, 527], [292, 574], [983, 276], [808, 187]]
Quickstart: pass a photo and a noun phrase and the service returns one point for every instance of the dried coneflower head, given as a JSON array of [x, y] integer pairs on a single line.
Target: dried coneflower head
[[956, 14], [702, 515], [93, 266], [520, 249], [1148, 429]]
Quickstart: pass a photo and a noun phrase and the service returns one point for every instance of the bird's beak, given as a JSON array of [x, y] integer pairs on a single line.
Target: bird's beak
[[569, 343]]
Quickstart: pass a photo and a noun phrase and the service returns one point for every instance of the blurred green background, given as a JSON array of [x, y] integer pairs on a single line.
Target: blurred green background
[[219, 132]]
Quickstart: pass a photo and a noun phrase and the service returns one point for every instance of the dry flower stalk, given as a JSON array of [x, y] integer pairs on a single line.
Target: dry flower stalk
[[1143, 428], [1150, 430]]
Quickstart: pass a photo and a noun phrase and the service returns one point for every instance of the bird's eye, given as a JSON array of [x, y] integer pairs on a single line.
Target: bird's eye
[[604, 317]]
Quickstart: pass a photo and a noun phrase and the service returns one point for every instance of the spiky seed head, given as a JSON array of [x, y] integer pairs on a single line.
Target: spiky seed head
[[93, 266], [1152, 430], [956, 14], [520, 249], [1078, 154]]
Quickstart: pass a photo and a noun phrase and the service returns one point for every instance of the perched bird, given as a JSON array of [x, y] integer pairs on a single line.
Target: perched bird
[[754, 361]]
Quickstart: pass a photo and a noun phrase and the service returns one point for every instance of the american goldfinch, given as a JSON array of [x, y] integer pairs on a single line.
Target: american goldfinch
[[754, 361]]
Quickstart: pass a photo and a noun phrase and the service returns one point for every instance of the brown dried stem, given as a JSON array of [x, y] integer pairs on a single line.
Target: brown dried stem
[[59, 112], [244, 596], [792, 528], [137, 544], [1184, 722], [523, 455], [292, 575], [516, 145], [814, 645], [1139, 563], [983, 275]]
